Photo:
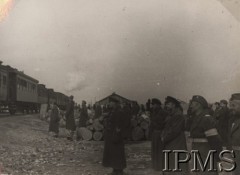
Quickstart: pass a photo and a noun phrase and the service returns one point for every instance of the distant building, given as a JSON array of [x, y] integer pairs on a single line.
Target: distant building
[[105, 100]]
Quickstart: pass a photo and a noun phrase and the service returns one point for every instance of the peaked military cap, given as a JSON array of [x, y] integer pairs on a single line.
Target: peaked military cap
[[235, 96], [156, 101], [201, 100], [173, 100]]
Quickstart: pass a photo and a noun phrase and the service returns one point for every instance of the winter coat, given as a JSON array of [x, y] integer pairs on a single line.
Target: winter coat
[[114, 153], [70, 121], [54, 120], [173, 138]]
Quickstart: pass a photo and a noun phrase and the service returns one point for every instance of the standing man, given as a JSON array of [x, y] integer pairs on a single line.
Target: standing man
[[70, 121], [216, 111], [157, 117], [54, 120], [203, 132], [222, 123], [82, 119], [114, 153], [83, 115], [173, 137], [235, 129]]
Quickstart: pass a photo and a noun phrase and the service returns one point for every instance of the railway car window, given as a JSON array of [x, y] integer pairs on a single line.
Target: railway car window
[[4, 80], [28, 86], [18, 83], [33, 87], [24, 84]]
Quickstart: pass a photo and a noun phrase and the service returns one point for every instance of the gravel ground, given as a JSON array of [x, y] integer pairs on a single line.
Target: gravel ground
[[26, 148]]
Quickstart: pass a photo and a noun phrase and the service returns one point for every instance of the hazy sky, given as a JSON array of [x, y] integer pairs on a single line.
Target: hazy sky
[[137, 48]]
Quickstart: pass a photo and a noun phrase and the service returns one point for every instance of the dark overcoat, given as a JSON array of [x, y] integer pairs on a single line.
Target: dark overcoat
[[83, 117], [222, 124], [173, 138], [203, 126], [235, 140], [155, 130], [54, 120], [114, 153], [70, 121]]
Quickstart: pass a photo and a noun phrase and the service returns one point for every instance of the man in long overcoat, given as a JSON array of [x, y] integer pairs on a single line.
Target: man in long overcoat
[[114, 153], [70, 121], [54, 120], [83, 115], [222, 123], [234, 136], [203, 132], [155, 130], [173, 137]]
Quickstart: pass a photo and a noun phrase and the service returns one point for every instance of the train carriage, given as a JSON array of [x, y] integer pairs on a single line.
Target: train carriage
[[42, 94], [23, 94], [3, 87], [20, 92], [51, 96], [61, 100]]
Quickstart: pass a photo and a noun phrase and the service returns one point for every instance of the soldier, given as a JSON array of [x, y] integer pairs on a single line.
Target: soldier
[[98, 111], [82, 119], [155, 130], [203, 132], [235, 129], [222, 124], [54, 120], [173, 137], [114, 153], [83, 115], [70, 121], [148, 105], [216, 111]]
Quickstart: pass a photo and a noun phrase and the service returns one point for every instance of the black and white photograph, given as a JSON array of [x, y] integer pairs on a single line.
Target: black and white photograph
[[120, 87]]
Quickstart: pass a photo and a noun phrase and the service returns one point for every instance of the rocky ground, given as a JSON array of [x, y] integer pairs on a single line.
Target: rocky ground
[[27, 148]]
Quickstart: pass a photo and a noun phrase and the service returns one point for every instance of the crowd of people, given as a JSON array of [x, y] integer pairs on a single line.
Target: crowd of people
[[209, 129]]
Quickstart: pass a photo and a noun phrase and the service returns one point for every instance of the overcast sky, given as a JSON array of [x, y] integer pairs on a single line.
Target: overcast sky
[[137, 48]]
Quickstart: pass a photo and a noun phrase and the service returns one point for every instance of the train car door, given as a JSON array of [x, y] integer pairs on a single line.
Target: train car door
[[12, 92]]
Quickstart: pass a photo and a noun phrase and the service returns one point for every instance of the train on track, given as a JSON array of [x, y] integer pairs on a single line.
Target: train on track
[[20, 92]]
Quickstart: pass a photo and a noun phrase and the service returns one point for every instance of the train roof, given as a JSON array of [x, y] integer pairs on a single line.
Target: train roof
[[14, 70]]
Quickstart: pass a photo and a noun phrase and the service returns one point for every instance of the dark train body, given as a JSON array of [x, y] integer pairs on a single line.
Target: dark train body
[[20, 92]]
